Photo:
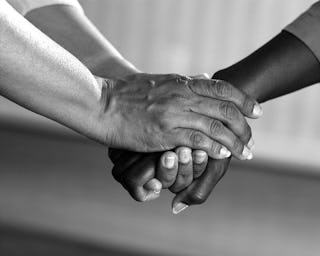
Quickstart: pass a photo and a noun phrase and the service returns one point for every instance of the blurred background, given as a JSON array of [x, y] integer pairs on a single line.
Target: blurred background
[[57, 194]]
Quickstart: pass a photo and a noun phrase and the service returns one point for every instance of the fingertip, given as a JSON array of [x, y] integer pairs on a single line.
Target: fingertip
[[206, 75], [199, 156], [257, 110], [151, 196], [184, 155], [251, 144], [177, 205], [247, 153], [169, 159], [154, 185], [203, 76], [224, 152]]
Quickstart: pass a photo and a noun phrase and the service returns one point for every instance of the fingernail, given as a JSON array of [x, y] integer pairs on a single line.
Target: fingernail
[[251, 143], [179, 207], [247, 154], [257, 110], [206, 75], [224, 152], [169, 162], [157, 191], [199, 157], [184, 156], [152, 196]]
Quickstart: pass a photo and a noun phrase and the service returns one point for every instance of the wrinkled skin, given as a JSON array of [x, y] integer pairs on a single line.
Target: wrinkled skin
[[152, 113]]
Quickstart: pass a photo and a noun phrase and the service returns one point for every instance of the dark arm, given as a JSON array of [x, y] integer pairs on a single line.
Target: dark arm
[[283, 65]]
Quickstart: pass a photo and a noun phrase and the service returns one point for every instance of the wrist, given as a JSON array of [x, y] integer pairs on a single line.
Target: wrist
[[96, 125], [239, 80], [113, 66]]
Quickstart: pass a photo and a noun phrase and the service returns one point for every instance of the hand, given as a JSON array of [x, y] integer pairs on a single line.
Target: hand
[[137, 176], [159, 112]]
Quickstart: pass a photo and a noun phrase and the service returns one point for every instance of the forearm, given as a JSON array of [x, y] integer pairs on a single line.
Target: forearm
[[283, 65], [70, 28], [40, 75]]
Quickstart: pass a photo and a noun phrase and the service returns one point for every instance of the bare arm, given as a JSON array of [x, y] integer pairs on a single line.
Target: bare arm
[[131, 112], [283, 65], [40, 75], [69, 27]]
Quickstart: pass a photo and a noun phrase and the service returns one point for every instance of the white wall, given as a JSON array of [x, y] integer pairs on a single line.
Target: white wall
[[195, 36]]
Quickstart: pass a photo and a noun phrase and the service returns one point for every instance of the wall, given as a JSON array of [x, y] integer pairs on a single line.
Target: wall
[[192, 37]]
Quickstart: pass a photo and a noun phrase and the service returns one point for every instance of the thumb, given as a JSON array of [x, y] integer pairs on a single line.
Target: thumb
[[199, 190]]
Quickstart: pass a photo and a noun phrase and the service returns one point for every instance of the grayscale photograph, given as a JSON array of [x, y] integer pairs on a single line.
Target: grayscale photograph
[[159, 127]]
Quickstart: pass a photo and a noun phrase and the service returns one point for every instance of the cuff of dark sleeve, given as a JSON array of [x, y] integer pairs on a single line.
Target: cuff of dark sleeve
[[307, 28]]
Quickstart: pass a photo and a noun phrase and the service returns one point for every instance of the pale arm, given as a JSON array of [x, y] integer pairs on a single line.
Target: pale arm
[[70, 27], [38, 74]]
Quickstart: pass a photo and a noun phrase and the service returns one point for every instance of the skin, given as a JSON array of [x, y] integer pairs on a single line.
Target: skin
[[263, 78], [60, 87], [71, 29], [54, 84], [195, 113], [258, 75]]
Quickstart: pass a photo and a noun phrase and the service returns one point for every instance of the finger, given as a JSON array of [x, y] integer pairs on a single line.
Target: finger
[[185, 170], [212, 135], [165, 78], [201, 76], [153, 189], [114, 154], [200, 160], [197, 140], [223, 90], [228, 113], [167, 169], [200, 189], [126, 159], [153, 185], [137, 175]]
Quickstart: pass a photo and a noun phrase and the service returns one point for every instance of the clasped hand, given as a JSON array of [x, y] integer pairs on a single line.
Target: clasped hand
[[173, 113]]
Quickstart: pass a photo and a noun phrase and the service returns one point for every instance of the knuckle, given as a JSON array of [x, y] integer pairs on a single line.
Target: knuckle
[[197, 139], [229, 111], [168, 178], [222, 89], [197, 172], [198, 197], [179, 79], [237, 146], [215, 128], [164, 123], [184, 175], [215, 148], [248, 105]]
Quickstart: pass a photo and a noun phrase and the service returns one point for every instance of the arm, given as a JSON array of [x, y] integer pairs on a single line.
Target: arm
[[70, 27], [43, 77], [283, 65], [40, 75]]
